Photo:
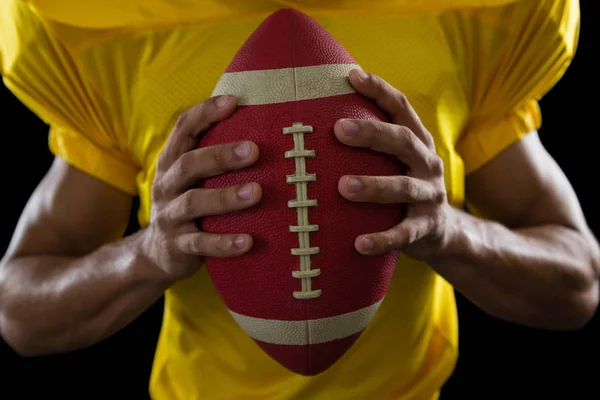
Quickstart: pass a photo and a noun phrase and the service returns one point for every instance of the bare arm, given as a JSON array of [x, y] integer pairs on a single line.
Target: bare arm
[[538, 265], [533, 260], [69, 280], [59, 280]]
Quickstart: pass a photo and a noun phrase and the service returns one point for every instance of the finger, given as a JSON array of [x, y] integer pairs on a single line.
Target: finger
[[405, 233], [392, 139], [214, 245], [388, 189], [391, 101], [190, 124], [198, 203], [206, 162]]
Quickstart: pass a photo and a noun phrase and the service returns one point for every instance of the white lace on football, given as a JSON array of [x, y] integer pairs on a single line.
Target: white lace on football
[[301, 204]]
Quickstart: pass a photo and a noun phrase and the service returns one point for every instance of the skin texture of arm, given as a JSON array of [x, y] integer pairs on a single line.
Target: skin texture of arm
[[531, 259], [60, 280], [68, 280], [538, 264]]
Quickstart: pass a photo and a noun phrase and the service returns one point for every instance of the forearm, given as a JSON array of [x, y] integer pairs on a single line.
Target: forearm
[[52, 304], [544, 277]]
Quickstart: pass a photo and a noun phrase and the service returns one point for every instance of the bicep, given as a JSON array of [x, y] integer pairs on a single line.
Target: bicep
[[70, 213], [523, 187]]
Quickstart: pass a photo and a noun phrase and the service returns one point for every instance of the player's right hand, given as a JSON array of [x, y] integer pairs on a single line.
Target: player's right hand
[[173, 241]]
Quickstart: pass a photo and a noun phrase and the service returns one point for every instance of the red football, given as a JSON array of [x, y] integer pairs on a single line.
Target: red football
[[303, 292]]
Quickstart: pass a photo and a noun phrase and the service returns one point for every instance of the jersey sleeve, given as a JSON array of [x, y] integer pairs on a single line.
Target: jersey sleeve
[[44, 76], [515, 56]]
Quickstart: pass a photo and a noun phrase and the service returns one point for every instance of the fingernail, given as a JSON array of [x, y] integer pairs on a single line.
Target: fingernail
[[242, 150], [240, 242], [245, 192], [349, 127], [221, 101], [354, 185], [363, 76], [367, 244]]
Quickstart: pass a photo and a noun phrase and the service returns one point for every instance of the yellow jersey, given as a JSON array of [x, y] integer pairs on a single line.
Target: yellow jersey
[[110, 78]]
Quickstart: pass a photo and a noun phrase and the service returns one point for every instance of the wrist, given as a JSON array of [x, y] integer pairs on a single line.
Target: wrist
[[143, 261], [453, 243]]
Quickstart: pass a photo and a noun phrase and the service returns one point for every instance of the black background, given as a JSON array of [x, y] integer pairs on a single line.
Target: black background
[[497, 359]]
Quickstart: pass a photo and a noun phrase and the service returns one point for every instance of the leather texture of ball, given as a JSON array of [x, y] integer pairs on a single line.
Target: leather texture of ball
[[303, 292]]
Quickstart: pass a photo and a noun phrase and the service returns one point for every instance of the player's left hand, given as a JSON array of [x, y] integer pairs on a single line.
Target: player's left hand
[[424, 231]]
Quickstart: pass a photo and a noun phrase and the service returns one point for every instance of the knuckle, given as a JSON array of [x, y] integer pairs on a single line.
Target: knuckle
[[400, 133], [191, 116], [397, 132], [222, 243], [181, 122], [223, 197], [436, 165], [388, 241], [161, 220], [197, 245], [411, 140], [404, 137], [219, 156], [379, 187], [411, 232], [161, 162], [411, 188], [203, 110], [157, 190], [401, 99], [183, 166], [377, 129], [186, 204], [440, 196]]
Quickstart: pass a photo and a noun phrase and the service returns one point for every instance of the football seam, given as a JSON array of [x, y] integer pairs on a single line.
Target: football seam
[[302, 203]]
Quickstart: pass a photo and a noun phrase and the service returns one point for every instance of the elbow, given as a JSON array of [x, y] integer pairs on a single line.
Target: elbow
[[567, 310], [22, 327], [584, 298], [577, 309], [26, 337], [583, 307], [576, 301], [20, 339], [30, 341], [15, 333]]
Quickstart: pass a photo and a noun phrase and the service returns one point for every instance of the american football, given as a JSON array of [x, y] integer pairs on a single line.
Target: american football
[[303, 292]]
